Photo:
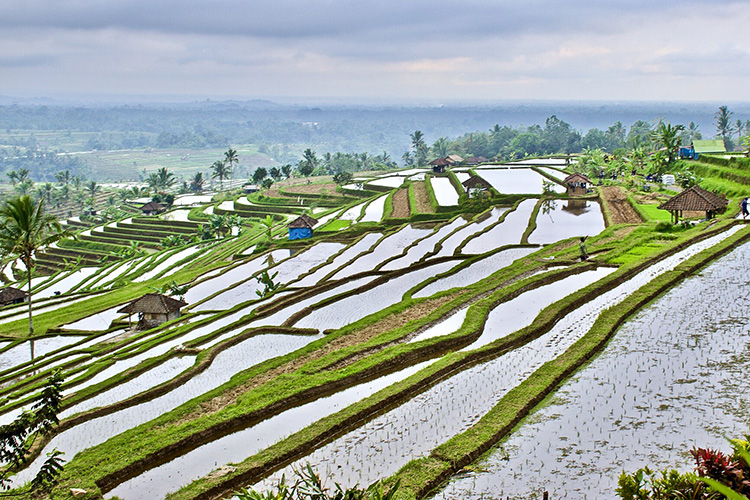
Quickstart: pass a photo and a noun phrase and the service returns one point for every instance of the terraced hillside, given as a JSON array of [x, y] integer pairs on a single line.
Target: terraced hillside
[[393, 344]]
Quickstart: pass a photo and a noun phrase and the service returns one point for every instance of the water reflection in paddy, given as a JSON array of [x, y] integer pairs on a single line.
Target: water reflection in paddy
[[516, 180], [508, 232], [673, 377], [560, 219]]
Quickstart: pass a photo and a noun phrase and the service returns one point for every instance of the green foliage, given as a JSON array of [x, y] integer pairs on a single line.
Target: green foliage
[[309, 486], [17, 438], [269, 285]]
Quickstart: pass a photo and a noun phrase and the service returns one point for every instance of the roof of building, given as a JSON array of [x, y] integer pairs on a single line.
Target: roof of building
[[476, 182], [454, 158], [576, 177], [151, 206], [695, 199], [475, 160], [10, 293], [302, 221], [153, 303], [440, 162], [709, 146]]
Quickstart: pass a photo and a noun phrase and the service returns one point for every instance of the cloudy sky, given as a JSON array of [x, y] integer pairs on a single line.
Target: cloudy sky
[[388, 50]]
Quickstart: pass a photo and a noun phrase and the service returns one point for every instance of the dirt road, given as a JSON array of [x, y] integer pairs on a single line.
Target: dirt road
[[621, 211]]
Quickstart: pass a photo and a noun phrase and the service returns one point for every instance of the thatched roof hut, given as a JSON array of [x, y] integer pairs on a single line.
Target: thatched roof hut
[[454, 159], [153, 309], [12, 295], [475, 160], [301, 227], [439, 164], [578, 184], [151, 208], [475, 185], [694, 199]]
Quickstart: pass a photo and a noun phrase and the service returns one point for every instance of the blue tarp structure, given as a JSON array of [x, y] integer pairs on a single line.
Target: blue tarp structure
[[301, 227]]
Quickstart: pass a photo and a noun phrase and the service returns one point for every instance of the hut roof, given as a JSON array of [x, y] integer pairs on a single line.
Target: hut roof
[[476, 182], [695, 199], [709, 146], [153, 303], [475, 160], [576, 177], [440, 162], [454, 159], [302, 221], [10, 293], [151, 206]]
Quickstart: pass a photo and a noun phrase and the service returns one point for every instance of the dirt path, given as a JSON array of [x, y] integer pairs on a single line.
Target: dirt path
[[400, 205], [423, 200], [621, 211]]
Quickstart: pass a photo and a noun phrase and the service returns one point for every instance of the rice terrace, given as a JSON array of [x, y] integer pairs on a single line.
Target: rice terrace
[[536, 327]]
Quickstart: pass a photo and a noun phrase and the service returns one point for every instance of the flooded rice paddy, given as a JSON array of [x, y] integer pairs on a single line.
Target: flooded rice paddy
[[508, 232], [452, 242], [673, 377], [559, 219], [445, 193], [516, 180], [383, 445]]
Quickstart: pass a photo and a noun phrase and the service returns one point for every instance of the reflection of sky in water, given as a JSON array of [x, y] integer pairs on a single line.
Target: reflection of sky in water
[[560, 219], [674, 377]]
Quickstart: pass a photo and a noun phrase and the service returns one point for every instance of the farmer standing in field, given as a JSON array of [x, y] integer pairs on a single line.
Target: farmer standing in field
[[745, 213], [582, 248]]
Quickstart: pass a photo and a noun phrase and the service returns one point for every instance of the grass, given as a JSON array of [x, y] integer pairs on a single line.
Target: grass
[[651, 212]]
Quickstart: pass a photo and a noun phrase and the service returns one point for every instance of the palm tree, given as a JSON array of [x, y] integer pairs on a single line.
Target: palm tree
[[93, 188], [739, 126], [220, 169], [286, 170], [166, 179], [63, 177], [275, 173], [668, 137], [723, 119], [196, 183], [440, 147], [419, 147], [231, 158], [25, 227]]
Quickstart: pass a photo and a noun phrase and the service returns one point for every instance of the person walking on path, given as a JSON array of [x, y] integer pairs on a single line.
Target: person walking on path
[[745, 213], [582, 248]]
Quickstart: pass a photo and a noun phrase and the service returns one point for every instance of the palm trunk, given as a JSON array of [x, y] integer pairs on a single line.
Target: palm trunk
[[31, 321]]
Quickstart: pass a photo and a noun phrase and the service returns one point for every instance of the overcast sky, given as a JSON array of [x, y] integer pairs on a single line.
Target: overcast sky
[[387, 50]]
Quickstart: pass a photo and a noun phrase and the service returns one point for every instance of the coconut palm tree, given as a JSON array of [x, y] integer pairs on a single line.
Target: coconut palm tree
[[196, 183], [231, 158], [25, 228], [723, 120], [419, 147], [667, 136], [93, 188], [164, 179], [220, 169]]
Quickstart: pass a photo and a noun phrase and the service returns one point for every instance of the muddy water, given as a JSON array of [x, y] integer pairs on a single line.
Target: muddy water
[[391, 245], [673, 377], [356, 307], [416, 252], [508, 232], [385, 444], [362, 245], [475, 272], [157, 482], [453, 241], [559, 219], [227, 363]]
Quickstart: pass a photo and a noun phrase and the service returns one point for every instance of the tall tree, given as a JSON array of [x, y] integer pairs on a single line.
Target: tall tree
[[419, 148], [275, 173], [723, 121], [221, 170], [93, 188], [259, 174], [230, 158], [165, 179], [440, 147], [286, 170], [25, 227], [196, 183], [308, 163]]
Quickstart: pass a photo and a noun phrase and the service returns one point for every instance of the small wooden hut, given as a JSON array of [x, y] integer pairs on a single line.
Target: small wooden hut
[[475, 160], [151, 208], [694, 199], [438, 165], [153, 309], [578, 184], [476, 186], [12, 295], [454, 159], [301, 227]]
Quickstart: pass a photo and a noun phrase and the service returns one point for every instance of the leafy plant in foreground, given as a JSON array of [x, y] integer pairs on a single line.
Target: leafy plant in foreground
[[17, 438], [309, 486]]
